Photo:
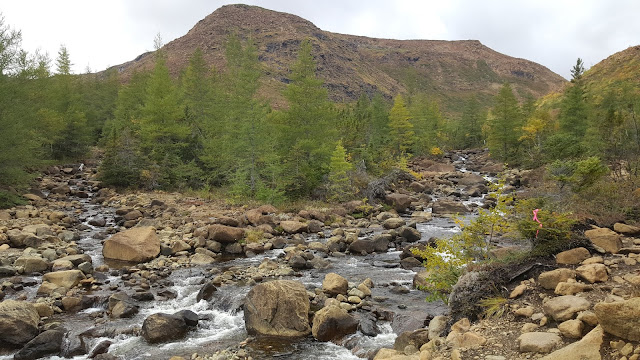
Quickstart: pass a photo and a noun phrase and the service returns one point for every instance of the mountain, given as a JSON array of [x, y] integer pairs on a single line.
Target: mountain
[[618, 70], [349, 65]]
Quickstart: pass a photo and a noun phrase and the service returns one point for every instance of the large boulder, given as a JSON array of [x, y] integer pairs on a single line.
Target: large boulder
[[593, 273], [294, 227], [620, 318], [162, 327], [334, 284], [624, 229], [565, 307], [550, 279], [573, 256], [399, 202], [138, 245], [65, 279], [277, 308], [18, 322], [225, 234], [447, 207], [605, 238], [31, 264], [586, 349], [333, 322], [47, 343], [362, 247]]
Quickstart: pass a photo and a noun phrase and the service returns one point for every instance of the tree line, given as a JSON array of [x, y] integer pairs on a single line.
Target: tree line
[[210, 128]]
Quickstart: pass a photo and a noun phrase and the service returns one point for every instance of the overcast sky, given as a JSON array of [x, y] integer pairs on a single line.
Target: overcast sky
[[554, 33]]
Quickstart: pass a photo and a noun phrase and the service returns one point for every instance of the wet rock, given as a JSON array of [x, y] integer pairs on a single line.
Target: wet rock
[[161, 327], [550, 279], [294, 227], [298, 262], [98, 221], [362, 247], [101, 348], [225, 234], [586, 349], [605, 238], [133, 245], [234, 248], [573, 256], [120, 305], [393, 223], [620, 318], [399, 202], [48, 342], [410, 263], [563, 308], [409, 321], [367, 325], [277, 308], [77, 259], [190, 318], [421, 216], [332, 323], [334, 284], [206, 292], [410, 234], [538, 342], [18, 322]]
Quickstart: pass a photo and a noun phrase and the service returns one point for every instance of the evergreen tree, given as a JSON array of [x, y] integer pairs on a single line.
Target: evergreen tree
[[505, 125], [574, 111], [470, 126], [339, 186], [428, 124]]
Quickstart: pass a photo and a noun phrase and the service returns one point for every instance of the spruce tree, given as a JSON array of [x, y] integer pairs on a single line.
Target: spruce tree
[[505, 125], [339, 183]]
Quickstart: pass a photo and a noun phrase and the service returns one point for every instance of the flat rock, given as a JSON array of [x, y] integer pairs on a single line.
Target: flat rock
[[573, 256], [538, 342], [607, 239], [550, 279], [138, 245], [565, 307], [627, 230]]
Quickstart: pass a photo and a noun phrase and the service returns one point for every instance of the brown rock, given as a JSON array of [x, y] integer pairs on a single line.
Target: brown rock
[[161, 327], [334, 284], [277, 308], [593, 273], [65, 279], [133, 215], [586, 349], [550, 279], [571, 329], [625, 229], [18, 322], [620, 318], [447, 207], [225, 234], [605, 238], [563, 308], [573, 256], [294, 227], [538, 342], [571, 288], [332, 323], [134, 245], [399, 202]]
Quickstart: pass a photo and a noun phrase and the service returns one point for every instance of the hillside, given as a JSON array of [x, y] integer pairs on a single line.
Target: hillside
[[350, 65], [618, 70]]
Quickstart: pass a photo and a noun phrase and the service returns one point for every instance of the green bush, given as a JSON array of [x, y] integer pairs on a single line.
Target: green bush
[[9, 199], [555, 232]]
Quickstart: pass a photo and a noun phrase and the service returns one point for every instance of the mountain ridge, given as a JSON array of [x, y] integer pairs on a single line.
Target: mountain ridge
[[351, 64]]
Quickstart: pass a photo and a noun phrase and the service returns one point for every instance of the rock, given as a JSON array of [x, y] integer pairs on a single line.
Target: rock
[[468, 340], [332, 323], [71, 303], [43, 309], [605, 238], [538, 342], [362, 247], [76, 260], [98, 221], [563, 308], [206, 292], [101, 348], [18, 322], [570, 288], [48, 342], [31, 264], [517, 291], [573, 256], [421, 216], [294, 227], [415, 338], [471, 179], [124, 309], [179, 245], [162, 327], [133, 215], [620, 318], [447, 207], [550, 279], [437, 326], [225, 234], [593, 273], [65, 279], [137, 245], [393, 223], [367, 325], [571, 329], [627, 230], [440, 168], [334, 284], [586, 349], [409, 233], [190, 318], [201, 259], [277, 308], [399, 202]]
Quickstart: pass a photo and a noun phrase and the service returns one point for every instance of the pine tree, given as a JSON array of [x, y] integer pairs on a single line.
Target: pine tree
[[574, 110], [505, 125], [470, 127]]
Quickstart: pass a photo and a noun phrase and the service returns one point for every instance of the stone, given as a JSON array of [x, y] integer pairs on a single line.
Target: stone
[[71, 303], [48, 343], [517, 291], [201, 259], [59, 265], [393, 223], [333, 323], [179, 245], [538, 342], [571, 288], [588, 317], [627, 230], [469, 340], [162, 327], [65, 279], [415, 338], [43, 309], [18, 322], [31, 264], [571, 329], [550, 279], [573, 257], [409, 233], [362, 247], [588, 348], [137, 245], [98, 221], [620, 318], [421, 216], [563, 308], [447, 207], [593, 273], [77, 259], [133, 215], [225, 234], [606, 239], [437, 326], [277, 308], [461, 326], [334, 284], [399, 202], [526, 311], [294, 227]]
